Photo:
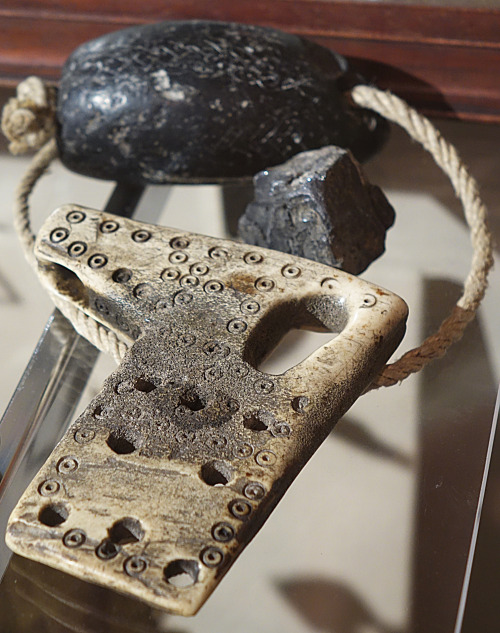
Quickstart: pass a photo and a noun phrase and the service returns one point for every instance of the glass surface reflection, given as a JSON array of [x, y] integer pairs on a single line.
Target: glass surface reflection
[[34, 597]]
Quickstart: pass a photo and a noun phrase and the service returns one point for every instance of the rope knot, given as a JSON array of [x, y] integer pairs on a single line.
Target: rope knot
[[29, 118]]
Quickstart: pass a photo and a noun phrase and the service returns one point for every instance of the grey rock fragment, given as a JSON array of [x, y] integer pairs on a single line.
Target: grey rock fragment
[[319, 205]]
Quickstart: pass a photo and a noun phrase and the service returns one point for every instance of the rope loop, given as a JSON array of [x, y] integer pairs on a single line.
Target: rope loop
[[29, 122], [446, 157]]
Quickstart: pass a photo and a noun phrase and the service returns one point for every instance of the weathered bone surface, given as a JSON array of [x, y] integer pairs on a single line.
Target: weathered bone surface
[[319, 205], [204, 101], [177, 462]]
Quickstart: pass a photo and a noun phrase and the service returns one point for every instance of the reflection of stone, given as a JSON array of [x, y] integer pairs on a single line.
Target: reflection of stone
[[319, 205]]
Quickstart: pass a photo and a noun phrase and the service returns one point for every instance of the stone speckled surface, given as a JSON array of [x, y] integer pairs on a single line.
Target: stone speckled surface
[[319, 205], [177, 462], [204, 101]]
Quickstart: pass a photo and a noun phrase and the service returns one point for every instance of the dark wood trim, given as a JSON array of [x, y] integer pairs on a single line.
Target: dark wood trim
[[444, 60]]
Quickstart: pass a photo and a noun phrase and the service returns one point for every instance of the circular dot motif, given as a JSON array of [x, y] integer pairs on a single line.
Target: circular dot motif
[[264, 284], [49, 488], [183, 298], [74, 538], [330, 284], [76, 249], [75, 217], [84, 436], [252, 258], [240, 509], [369, 301], [213, 373], [300, 403], [236, 326], [189, 281], [186, 339], [214, 348], [250, 307], [185, 436], [58, 235], [141, 235], [254, 491], [218, 253], [281, 429], [216, 442], [212, 557], [135, 565], [223, 532], [177, 257], [199, 269], [240, 371], [67, 465], [179, 243], [109, 226], [290, 271], [144, 291], [213, 286], [97, 261], [265, 458], [263, 386], [170, 274], [243, 450]]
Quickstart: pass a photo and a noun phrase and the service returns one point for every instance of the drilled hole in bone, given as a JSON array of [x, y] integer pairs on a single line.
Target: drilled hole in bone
[[141, 384], [290, 333], [182, 573], [294, 347], [256, 422], [192, 401], [53, 514], [68, 283], [216, 473], [127, 530], [121, 443]]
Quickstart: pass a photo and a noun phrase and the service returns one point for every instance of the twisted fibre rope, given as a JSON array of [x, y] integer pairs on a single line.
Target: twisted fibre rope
[[26, 122], [99, 335], [392, 108], [446, 157]]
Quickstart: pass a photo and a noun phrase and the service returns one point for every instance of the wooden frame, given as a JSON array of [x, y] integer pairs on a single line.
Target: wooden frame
[[443, 60]]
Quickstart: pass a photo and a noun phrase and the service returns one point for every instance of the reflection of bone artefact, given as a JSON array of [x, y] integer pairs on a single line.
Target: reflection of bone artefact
[[178, 461]]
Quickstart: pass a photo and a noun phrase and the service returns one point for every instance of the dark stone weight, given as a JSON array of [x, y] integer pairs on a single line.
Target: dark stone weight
[[319, 205], [204, 101]]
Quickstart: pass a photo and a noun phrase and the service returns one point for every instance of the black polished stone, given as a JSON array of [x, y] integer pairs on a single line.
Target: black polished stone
[[204, 101], [319, 205]]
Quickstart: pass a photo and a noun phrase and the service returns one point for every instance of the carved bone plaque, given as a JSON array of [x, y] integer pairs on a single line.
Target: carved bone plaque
[[177, 462]]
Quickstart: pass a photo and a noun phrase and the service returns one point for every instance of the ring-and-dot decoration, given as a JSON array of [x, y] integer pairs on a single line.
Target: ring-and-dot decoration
[[253, 258], [59, 235], [75, 217]]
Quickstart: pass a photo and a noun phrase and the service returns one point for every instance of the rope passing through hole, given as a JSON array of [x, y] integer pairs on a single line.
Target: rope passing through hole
[[29, 123]]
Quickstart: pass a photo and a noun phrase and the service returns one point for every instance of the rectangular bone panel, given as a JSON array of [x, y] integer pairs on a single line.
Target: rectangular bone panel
[[170, 471]]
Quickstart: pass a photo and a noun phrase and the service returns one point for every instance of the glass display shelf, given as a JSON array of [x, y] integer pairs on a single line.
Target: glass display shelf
[[377, 533]]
